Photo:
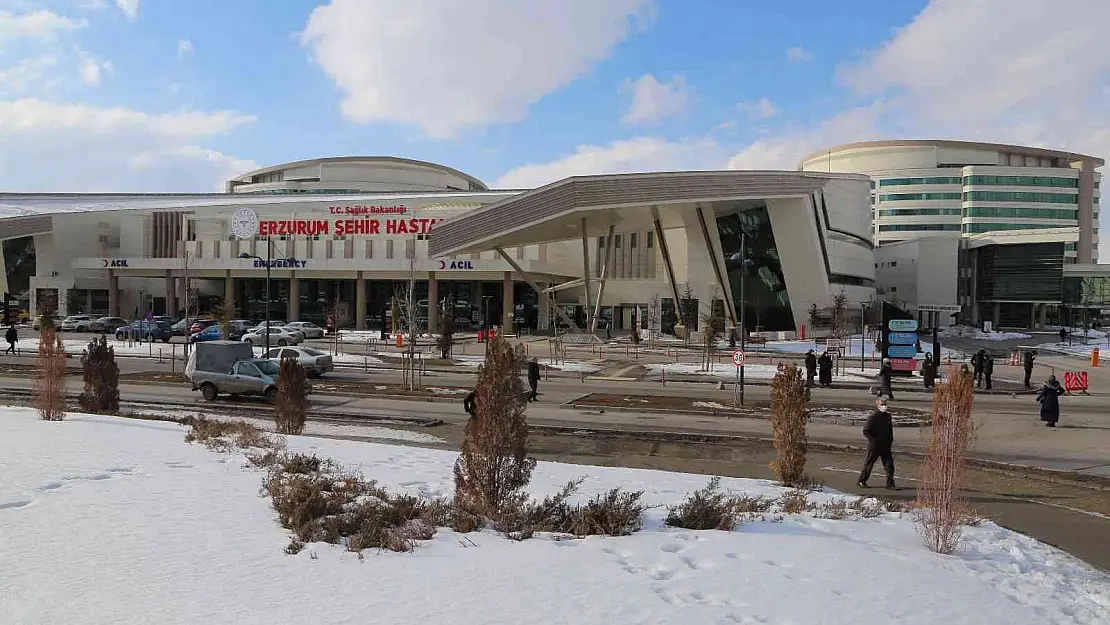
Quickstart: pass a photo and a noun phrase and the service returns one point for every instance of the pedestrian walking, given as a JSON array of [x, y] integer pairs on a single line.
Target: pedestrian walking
[[533, 379], [11, 336], [879, 431], [470, 403], [977, 366], [885, 373], [1027, 363], [824, 369], [1049, 398], [929, 371], [988, 369], [1063, 335], [811, 367]]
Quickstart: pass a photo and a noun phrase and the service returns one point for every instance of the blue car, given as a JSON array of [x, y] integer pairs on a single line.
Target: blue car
[[211, 333], [144, 331]]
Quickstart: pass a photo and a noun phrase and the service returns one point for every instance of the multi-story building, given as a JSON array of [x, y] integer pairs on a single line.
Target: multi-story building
[[983, 196]]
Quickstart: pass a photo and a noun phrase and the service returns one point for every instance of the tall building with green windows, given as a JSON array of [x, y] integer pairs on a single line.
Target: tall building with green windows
[[962, 189], [989, 201]]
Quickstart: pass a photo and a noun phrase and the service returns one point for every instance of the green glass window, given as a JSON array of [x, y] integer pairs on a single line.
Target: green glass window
[[899, 197], [981, 228], [1024, 181], [1019, 196], [1026, 213], [919, 228], [901, 182], [1069, 247], [914, 212]]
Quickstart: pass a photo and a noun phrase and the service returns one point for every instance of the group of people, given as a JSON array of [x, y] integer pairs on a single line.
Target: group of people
[[819, 367], [982, 366]]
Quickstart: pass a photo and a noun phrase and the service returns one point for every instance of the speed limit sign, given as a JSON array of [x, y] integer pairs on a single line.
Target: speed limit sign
[[738, 358]]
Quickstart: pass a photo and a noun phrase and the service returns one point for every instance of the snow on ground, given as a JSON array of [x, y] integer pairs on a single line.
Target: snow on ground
[[109, 520], [1076, 348], [967, 332], [851, 349], [463, 360], [727, 371]]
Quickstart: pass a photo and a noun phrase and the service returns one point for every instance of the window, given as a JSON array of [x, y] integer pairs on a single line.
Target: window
[[410, 249], [1023, 181], [919, 228], [901, 182], [898, 197], [632, 240], [1021, 213], [893, 289], [1019, 196], [651, 238], [617, 241], [389, 249], [370, 248], [923, 212], [981, 228], [893, 263]]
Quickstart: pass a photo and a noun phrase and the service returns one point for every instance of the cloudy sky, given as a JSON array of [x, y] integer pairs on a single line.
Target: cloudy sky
[[178, 95]]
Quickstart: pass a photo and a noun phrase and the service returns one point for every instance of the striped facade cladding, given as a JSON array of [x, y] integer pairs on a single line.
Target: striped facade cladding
[[15, 227]]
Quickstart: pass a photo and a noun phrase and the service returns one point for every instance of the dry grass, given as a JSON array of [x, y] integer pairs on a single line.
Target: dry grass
[[615, 513], [794, 501], [48, 387], [858, 508], [941, 508], [226, 436], [788, 424], [706, 509]]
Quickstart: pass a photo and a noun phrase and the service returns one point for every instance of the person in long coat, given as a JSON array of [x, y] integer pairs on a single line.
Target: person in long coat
[[929, 371], [977, 366], [988, 369], [879, 431], [1049, 398], [824, 367], [885, 373], [1027, 363], [470, 403], [533, 380], [811, 367]]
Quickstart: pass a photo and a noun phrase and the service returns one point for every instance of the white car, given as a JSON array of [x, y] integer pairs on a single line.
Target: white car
[[259, 329], [314, 361], [278, 336], [77, 323], [307, 328]]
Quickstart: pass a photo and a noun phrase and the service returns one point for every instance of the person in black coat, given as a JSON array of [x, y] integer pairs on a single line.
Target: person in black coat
[[811, 367], [10, 336], [879, 431], [1049, 398], [885, 373], [470, 403], [1063, 334], [533, 379], [1027, 363], [977, 366], [988, 369], [824, 368], [929, 371]]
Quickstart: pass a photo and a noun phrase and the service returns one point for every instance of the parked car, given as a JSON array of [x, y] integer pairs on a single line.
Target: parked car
[[200, 324], [278, 336], [37, 323], [307, 328], [211, 333], [229, 367], [76, 323], [279, 324], [314, 361], [107, 325], [181, 328], [144, 331], [238, 327], [166, 319]]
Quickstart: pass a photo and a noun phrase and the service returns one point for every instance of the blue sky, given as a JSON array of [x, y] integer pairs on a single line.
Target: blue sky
[[161, 95]]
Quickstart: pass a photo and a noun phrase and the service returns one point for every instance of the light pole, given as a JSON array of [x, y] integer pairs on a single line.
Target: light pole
[[862, 332], [268, 260], [743, 325], [485, 316]]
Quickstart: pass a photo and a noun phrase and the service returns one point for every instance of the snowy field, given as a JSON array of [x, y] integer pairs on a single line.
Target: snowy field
[[727, 371], [967, 332], [108, 520], [464, 360]]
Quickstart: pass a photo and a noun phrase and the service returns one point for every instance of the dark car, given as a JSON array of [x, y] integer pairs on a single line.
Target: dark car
[[107, 325], [211, 333], [145, 331], [236, 328]]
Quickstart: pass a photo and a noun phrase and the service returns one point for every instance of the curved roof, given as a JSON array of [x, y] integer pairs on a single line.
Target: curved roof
[[245, 178], [949, 143]]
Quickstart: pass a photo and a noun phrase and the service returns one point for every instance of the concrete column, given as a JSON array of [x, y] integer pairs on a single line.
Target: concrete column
[[229, 289], [433, 303], [1042, 320], [360, 302], [997, 314], [171, 295], [508, 308], [88, 301], [113, 295], [293, 305], [1033, 315]]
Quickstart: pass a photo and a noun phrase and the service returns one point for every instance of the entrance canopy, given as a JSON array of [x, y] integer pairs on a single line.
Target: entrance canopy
[[589, 205]]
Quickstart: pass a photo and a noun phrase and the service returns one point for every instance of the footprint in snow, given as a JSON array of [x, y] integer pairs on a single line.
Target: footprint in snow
[[22, 503], [672, 548], [49, 487]]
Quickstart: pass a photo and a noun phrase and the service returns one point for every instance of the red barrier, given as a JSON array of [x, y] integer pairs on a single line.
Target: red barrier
[[1075, 381]]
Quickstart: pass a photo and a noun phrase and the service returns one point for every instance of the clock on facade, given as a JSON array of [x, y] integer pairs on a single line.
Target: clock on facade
[[244, 223]]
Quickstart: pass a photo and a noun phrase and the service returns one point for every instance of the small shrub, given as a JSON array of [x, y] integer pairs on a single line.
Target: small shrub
[[291, 405], [745, 504], [794, 501], [228, 435], [867, 507], [788, 424], [520, 519], [101, 375], [615, 513], [836, 509], [941, 507], [705, 509]]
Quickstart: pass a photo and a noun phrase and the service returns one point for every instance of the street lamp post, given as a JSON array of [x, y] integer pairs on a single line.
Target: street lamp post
[[743, 325], [268, 261], [485, 317], [862, 332]]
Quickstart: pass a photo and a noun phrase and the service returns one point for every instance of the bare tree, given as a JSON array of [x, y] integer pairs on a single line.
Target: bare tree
[[840, 315], [788, 424], [407, 306], [942, 509], [712, 327], [654, 318], [493, 467], [48, 387], [686, 316]]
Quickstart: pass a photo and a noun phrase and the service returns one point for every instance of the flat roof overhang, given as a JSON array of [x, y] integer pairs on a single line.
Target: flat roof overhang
[[555, 212], [1063, 234]]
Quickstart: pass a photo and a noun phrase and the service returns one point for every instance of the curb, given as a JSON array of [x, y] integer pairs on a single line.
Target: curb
[[572, 404]]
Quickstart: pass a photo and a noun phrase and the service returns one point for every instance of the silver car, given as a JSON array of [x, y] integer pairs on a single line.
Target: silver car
[[77, 323], [278, 336], [314, 361], [307, 328]]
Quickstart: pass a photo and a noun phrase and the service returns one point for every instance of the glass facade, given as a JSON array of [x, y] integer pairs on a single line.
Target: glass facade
[[1024, 181], [1020, 196], [901, 182], [1026, 213], [765, 300], [901, 197], [1087, 292], [919, 228], [923, 212], [994, 227], [1029, 272]]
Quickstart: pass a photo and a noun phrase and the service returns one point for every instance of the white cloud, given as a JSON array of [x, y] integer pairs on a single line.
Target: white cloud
[[653, 101], [633, 155], [447, 66], [93, 5], [28, 74], [798, 54], [130, 8], [112, 149], [42, 25], [760, 109], [184, 47], [91, 67]]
